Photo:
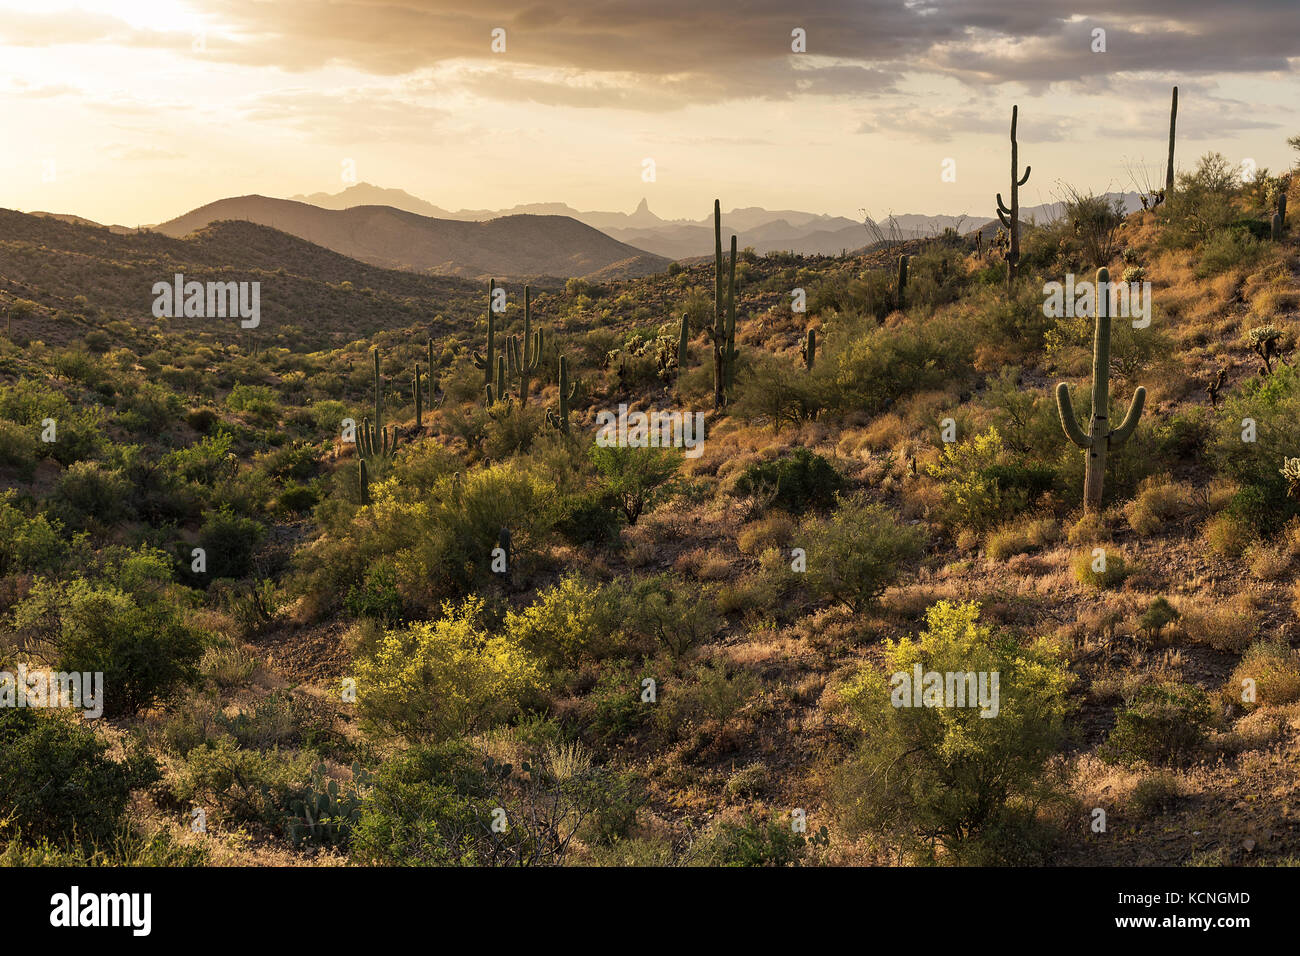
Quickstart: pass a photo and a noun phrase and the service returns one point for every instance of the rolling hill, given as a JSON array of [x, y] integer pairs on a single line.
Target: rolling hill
[[518, 247]]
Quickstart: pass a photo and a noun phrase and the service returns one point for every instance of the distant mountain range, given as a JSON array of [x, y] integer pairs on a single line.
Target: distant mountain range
[[510, 246], [766, 230]]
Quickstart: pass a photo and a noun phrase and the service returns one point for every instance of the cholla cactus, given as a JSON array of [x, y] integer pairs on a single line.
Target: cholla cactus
[[1291, 472], [1266, 342]]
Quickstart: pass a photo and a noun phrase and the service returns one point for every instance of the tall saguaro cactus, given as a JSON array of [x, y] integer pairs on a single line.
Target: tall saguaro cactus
[[526, 361], [486, 362], [560, 419], [419, 400], [809, 350], [379, 394], [729, 358], [683, 345], [724, 315], [1101, 437], [902, 279], [1169, 169], [1010, 215]]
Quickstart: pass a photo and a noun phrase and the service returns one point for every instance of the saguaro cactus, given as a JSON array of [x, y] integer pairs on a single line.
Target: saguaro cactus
[[719, 320], [683, 345], [729, 358], [364, 479], [486, 361], [419, 400], [809, 350], [379, 394], [1169, 169], [525, 362], [1010, 215], [1101, 437], [560, 420], [902, 276]]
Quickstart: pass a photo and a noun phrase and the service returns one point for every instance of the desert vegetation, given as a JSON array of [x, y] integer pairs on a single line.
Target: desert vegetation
[[364, 587]]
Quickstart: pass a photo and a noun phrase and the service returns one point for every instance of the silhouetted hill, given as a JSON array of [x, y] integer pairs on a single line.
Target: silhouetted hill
[[509, 247]]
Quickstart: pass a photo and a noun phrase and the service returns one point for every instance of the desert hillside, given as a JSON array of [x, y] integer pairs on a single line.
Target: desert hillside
[[356, 597]]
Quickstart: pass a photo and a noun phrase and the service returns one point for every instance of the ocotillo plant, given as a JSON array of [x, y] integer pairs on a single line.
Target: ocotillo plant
[[560, 419], [809, 350], [486, 361], [1101, 437], [1169, 169], [902, 278], [1010, 216]]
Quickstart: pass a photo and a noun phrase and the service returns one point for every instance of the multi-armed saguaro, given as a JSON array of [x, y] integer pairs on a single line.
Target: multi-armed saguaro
[[524, 362], [1101, 437], [1010, 215]]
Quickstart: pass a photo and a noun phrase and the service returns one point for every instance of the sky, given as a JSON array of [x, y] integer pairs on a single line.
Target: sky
[[135, 111]]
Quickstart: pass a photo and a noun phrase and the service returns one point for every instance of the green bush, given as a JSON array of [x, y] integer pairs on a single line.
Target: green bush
[[568, 623], [857, 552], [933, 776], [440, 679], [89, 495], [1163, 723], [229, 542], [637, 478], [754, 842], [800, 482], [242, 786], [144, 650], [57, 782]]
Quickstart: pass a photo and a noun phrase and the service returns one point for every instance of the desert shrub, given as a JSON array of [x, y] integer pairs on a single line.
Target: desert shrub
[[780, 392], [1275, 671], [675, 614], [1022, 537], [754, 842], [442, 678], [18, 448], [242, 786], [857, 552], [1159, 501], [798, 483], [90, 495], [57, 781], [435, 806], [984, 484], [1227, 249], [1102, 570], [638, 478], [1226, 626], [1228, 535], [568, 623], [228, 667], [1154, 794], [771, 532], [377, 596], [1202, 202], [1163, 723], [144, 650], [29, 545], [229, 542], [713, 691], [589, 517], [1270, 406], [926, 777]]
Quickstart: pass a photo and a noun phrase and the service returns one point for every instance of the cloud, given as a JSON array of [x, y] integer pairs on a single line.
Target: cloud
[[654, 57]]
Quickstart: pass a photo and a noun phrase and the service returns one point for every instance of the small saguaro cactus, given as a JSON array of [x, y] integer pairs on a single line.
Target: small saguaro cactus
[[1010, 215], [486, 361], [1101, 437], [364, 478], [1275, 229], [560, 419], [419, 400], [809, 350], [902, 280]]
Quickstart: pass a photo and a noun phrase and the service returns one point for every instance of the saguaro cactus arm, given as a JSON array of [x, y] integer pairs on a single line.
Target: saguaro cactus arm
[[1068, 420], [1126, 428]]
